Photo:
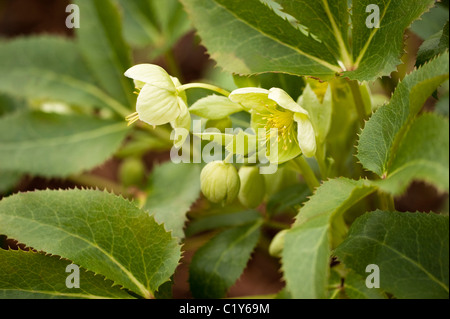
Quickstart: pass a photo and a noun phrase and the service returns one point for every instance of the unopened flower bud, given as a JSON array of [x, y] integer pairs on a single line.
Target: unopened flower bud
[[220, 182], [253, 187]]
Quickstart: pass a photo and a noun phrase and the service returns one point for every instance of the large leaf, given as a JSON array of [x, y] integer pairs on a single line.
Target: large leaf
[[155, 23], [247, 37], [319, 227], [355, 288], [326, 20], [96, 230], [422, 155], [432, 21], [411, 251], [101, 43], [386, 130], [377, 51], [217, 265], [49, 68], [173, 190], [29, 275], [53, 145], [306, 37]]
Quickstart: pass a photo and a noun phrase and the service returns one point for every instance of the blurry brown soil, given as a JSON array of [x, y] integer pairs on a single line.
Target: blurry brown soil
[[262, 275]]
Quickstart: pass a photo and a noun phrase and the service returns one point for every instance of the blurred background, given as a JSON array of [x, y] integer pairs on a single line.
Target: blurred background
[[175, 47]]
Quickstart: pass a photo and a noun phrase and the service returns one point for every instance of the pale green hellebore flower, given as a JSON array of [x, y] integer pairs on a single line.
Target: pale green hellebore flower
[[159, 101], [275, 109]]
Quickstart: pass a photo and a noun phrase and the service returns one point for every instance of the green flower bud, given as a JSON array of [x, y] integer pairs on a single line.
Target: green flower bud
[[277, 244], [220, 182], [131, 172], [253, 186], [221, 124]]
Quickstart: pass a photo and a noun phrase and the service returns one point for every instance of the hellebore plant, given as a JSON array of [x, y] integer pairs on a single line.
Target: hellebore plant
[[278, 119], [317, 139]]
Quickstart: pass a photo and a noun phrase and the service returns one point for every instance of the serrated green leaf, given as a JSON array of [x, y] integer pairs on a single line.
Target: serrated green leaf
[[98, 231], [253, 37], [326, 20], [53, 145], [372, 56], [221, 221], [30, 275], [218, 264], [422, 155], [411, 251], [432, 21], [154, 23], [433, 46], [319, 227], [215, 107], [172, 191], [247, 37], [107, 55], [355, 288], [386, 130], [49, 68]]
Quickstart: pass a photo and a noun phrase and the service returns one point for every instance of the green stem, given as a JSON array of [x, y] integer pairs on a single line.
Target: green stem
[[204, 86], [320, 157], [386, 202], [359, 102], [307, 173]]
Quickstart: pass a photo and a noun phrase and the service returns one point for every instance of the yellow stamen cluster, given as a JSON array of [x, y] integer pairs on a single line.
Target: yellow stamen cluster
[[132, 118], [282, 120]]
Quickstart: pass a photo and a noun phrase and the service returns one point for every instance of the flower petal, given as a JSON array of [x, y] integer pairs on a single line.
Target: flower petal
[[182, 124], [252, 98], [157, 106], [151, 74], [305, 134], [285, 101]]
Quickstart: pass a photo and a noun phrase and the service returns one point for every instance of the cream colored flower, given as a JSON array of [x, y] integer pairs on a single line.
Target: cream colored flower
[[159, 101]]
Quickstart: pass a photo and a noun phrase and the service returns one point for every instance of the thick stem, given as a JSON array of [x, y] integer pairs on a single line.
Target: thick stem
[[307, 173], [204, 86], [321, 160], [359, 102]]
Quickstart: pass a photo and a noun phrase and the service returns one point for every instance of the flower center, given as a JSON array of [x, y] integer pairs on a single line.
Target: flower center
[[282, 120]]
